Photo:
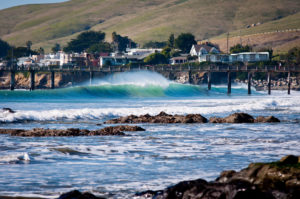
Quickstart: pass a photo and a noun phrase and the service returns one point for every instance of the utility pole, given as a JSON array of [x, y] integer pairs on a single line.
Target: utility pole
[[227, 42], [241, 42], [12, 57]]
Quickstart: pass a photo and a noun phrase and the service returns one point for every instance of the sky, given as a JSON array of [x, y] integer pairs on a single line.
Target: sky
[[10, 3]]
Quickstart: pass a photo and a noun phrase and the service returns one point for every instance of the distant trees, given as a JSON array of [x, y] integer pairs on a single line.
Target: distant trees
[[4, 48], [28, 45], [100, 47], [41, 51], [121, 43], [56, 48], [155, 44], [293, 55], [156, 58], [84, 41], [240, 48], [171, 41], [184, 42]]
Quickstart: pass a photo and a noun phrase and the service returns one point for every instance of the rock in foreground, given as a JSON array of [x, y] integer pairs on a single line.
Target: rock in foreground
[[276, 180], [39, 132], [78, 195], [243, 118], [162, 118]]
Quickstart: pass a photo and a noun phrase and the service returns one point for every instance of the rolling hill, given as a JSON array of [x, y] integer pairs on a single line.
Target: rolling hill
[[280, 35], [141, 20]]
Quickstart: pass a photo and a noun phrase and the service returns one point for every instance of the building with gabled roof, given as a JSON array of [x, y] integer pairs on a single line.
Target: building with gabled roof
[[198, 50]]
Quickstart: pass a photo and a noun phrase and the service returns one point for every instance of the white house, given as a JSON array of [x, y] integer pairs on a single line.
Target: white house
[[249, 57], [237, 57], [25, 61], [59, 58], [213, 58], [141, 51], [178, 60], [198, 50]]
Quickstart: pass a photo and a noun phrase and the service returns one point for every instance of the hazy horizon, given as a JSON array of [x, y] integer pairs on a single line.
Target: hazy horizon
[[8, 4]]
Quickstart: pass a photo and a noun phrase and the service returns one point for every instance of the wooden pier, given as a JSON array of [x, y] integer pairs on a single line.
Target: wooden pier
[[157, 68]]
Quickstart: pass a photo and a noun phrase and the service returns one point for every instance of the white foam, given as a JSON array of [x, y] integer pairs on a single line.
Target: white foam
[[279, 102], [139, 78], [15, 157]]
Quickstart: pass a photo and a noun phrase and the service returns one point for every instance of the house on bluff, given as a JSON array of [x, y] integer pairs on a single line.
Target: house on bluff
[[198, 50]]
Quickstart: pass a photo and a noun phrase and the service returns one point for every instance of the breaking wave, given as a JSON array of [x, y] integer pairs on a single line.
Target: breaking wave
[[122, 85]]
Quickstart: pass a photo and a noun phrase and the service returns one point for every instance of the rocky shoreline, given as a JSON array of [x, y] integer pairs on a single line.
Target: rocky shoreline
[[165, 118], [280, 84], [40, 132], [273, 180]]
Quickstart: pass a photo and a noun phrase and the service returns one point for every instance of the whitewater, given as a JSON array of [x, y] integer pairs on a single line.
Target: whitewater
[[117, 167]]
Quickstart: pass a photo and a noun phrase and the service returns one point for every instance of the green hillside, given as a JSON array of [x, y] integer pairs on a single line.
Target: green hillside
[[142, 20], [286, 24]]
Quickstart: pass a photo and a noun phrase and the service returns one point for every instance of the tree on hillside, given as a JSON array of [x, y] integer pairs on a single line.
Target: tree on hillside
[[156, 58], [293, 55], [102, 47], [41, 51], [239, 48], [21, 52], [84, 41], [166, 52], [29, 44], [121, 43], [185, 41], [56, 48], [4, 48], [155, 44], [171, 41]]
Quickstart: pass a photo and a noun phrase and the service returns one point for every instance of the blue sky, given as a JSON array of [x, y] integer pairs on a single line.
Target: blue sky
[[10, 3]]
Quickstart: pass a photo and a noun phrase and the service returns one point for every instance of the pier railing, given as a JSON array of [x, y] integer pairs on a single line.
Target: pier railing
[[158, 68], [212, 68]]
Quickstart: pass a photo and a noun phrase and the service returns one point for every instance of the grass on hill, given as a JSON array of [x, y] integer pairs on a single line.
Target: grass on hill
[[141, 20]]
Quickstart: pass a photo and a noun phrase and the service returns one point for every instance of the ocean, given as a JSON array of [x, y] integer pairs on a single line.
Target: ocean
[[164, 154]]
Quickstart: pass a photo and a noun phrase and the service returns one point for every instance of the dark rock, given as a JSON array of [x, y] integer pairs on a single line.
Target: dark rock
[[233, 118], [11, 131], [8, 110], [162, 118], [78, 195], [269, 119], [39, 132], [239, 118], [275, 180], [289, 159], [216, 120], [163, 114]]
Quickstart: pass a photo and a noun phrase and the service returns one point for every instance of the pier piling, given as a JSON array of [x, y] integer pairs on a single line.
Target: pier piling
[[229, 82], [190, 77], [289, 83], [52, 79], [249, 83], [32, 80], [269, 83], [209, 80], [12, 80], [91, 77]]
